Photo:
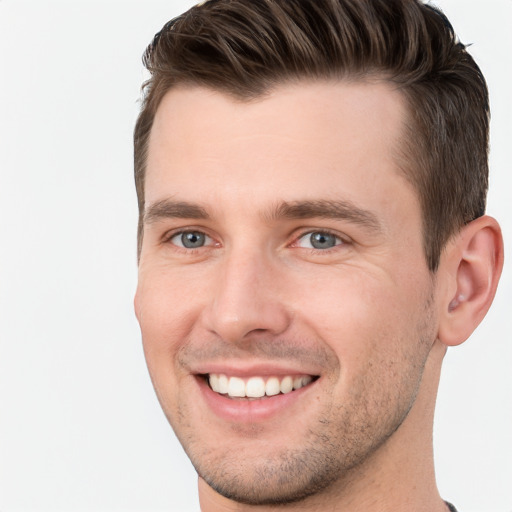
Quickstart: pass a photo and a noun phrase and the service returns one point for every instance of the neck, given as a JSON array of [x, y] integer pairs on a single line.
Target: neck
[[399, 477]]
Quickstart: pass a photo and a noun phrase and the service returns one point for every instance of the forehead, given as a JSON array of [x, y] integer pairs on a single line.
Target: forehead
[[304, 139]]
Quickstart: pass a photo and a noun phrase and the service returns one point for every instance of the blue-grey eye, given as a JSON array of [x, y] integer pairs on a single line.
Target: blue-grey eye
[[190, 239], [319, 240], [322, 240]]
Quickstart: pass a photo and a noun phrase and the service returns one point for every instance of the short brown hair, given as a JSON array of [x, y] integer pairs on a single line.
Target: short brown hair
[[247, 47]]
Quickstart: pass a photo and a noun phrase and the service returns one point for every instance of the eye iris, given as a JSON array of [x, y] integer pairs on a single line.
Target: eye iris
[[192, 239], [322, 240]]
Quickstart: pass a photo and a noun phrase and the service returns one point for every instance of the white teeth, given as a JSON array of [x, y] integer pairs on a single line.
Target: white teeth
[[214, 382], [300, 382], [297, 382], [306, 380], [236, 387], [286, 385], [256, 387], [223, 384], [272, 387]]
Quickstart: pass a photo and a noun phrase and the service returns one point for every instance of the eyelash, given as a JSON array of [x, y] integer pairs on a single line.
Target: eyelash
[[167, 238], [341, 240]]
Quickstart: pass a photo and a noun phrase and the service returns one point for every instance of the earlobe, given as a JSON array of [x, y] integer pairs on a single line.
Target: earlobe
[[475, 261]]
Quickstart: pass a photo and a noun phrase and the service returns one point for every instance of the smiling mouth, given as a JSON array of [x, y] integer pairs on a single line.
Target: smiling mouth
[[256, 387]]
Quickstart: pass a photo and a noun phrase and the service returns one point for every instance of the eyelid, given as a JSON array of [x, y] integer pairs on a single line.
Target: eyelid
[[212, 242], [344, 240], [169, 235]]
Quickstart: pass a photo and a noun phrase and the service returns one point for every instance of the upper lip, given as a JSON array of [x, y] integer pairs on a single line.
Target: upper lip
[[241, 369]]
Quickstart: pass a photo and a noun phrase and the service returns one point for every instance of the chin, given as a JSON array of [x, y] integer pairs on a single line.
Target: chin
[[287, 477], [259, 471]]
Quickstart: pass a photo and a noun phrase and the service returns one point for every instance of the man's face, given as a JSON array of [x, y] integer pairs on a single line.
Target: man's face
[[283, 249]]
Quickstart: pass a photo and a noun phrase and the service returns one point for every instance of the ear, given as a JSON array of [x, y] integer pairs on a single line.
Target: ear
[[472, 265]]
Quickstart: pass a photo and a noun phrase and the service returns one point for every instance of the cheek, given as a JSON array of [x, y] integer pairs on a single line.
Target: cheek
[[380, 335], [165, 322], [165, 302], [365, 318], [166, 318]]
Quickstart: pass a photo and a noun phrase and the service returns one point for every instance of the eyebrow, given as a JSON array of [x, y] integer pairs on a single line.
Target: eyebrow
[[326, 209], [170, 209], [321, 209]]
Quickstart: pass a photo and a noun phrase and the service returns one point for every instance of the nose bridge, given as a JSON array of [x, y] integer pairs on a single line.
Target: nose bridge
[[247, 296]]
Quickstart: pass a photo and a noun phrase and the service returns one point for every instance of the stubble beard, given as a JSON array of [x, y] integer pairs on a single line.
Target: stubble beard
[[337, 447]]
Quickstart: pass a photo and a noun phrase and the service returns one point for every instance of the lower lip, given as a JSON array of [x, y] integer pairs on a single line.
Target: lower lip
[[249, 411]]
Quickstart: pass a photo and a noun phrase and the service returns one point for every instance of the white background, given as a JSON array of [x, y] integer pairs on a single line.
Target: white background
[[80, 428]]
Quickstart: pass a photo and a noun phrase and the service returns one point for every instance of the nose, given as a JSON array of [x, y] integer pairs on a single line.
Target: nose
[[247, 298]]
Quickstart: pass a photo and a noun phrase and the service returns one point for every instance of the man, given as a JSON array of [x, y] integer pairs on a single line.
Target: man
[[311, 177]]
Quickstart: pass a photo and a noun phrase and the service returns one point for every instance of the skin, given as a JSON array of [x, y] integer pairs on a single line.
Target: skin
[[364, 316]]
